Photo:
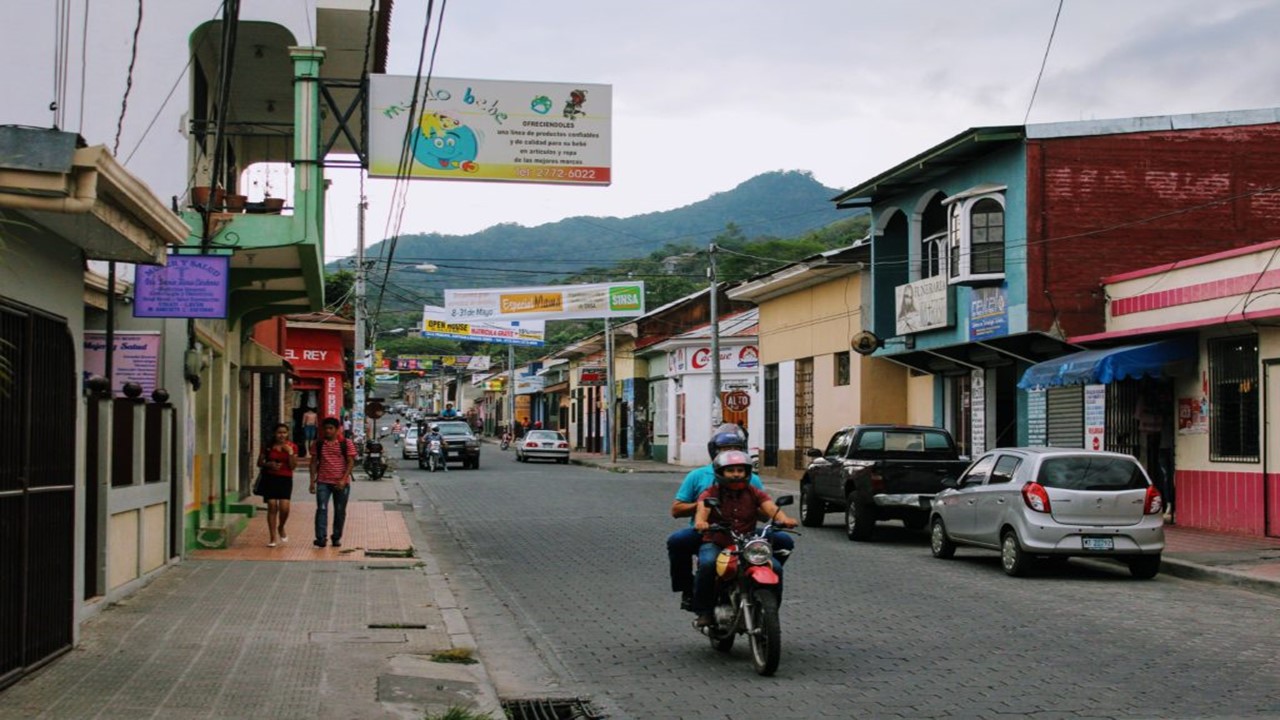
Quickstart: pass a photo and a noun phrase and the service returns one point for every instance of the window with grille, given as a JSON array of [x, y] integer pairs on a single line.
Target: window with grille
[[1233, 400], [842, 368]]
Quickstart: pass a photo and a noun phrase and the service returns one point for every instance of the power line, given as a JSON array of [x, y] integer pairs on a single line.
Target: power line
[[1043, 62], [128, 80]]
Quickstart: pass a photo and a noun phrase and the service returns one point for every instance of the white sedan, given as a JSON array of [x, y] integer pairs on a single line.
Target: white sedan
[[542, 445]]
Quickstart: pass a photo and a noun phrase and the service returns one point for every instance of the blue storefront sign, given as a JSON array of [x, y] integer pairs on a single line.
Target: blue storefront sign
[[988, 313], [189, 286]]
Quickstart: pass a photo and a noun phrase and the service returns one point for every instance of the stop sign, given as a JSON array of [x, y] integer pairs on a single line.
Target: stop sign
[[737, 400]]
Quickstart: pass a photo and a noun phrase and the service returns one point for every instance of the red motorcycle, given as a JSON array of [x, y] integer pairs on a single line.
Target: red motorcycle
[[748, 594]]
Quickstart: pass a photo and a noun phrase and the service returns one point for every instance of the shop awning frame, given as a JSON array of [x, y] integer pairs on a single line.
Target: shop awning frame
[[1107, 365]]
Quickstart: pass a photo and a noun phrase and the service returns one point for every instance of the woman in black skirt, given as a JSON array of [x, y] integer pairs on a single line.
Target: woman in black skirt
[[277, 462]]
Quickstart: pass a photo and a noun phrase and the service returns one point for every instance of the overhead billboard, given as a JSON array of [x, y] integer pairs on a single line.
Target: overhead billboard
[[432, 362], [548, 302], [437, 323], [506, 131]]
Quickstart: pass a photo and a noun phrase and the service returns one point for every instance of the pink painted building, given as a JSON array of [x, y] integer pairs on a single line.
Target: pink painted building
[[1226, 400]]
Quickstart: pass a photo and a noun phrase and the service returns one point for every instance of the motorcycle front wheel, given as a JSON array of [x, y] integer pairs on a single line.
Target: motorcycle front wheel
[[722, 643], [766, 641]]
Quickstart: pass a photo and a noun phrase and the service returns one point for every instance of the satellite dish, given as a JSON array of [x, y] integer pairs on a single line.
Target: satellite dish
[[865, 342]]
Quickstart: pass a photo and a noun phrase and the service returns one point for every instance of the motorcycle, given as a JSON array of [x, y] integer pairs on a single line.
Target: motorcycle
[[435, 455], [747, 595], [506, 441], [375, 465]]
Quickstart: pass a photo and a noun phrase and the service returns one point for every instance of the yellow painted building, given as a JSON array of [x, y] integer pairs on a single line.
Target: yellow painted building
[[813, 383]]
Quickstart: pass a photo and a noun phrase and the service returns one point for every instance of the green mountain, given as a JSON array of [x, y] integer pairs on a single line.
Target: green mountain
[[775, 205]]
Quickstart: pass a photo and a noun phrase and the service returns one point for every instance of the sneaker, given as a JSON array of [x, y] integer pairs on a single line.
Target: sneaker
[[318, 543], [337, 542], [284, 538], [271, 544], [686, 600]]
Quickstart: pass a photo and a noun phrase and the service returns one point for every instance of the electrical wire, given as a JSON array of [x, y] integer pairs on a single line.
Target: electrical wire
[[401, 187], [84, 64], [1043, 61], [183, 73], [61, 32], [128, 81]]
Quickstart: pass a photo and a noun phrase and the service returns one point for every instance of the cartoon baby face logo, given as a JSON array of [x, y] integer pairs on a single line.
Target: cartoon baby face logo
[[573, 106], [443, 143]]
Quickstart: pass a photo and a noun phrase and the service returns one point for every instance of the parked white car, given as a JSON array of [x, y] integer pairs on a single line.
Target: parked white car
[[410, 448], [1053, 503]]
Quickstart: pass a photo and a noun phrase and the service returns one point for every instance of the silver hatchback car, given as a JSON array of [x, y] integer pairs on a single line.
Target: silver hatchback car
[[1052, 502]]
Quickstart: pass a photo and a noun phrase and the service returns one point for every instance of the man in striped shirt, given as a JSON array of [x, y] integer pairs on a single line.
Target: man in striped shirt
[[332, 460]]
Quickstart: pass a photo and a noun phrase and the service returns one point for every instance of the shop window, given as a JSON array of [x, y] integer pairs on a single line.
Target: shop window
[[842, 368], [1233, 400]]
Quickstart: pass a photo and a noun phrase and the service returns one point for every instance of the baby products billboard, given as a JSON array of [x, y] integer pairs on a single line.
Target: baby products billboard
[[538, 132]]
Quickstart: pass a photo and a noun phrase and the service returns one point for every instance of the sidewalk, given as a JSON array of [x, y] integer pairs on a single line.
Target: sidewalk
[[293, 631], [1244, 561]]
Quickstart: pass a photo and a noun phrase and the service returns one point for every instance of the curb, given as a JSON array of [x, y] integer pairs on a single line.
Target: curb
[[485, 700], [1222, 576]]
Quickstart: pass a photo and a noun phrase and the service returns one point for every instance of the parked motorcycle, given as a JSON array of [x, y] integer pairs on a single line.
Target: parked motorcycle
[[747, 595], [435, 455], [375, 463]]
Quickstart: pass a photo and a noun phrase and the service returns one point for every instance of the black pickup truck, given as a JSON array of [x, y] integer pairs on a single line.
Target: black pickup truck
[[878, 472]]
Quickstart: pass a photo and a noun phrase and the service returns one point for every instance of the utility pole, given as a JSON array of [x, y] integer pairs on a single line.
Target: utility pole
[[609, 417], [716, 412], [361, 366], [511, 390]]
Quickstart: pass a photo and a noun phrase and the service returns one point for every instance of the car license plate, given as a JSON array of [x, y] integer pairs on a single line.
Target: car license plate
[[1098, 543]]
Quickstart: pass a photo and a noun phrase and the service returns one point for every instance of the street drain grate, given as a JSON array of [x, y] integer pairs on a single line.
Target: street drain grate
[[551, 709], [389, 552]]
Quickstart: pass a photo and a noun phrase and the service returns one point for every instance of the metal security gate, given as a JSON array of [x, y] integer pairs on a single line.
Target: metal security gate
[[37, 489], [1064, 422], [804, 412]]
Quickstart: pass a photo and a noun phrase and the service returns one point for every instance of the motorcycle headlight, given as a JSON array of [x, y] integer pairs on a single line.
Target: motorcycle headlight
[[757, 552]]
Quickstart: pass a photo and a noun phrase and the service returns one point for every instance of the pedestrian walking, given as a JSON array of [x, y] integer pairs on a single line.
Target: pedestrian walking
[[278, 461], [332, 460], [309, 419]]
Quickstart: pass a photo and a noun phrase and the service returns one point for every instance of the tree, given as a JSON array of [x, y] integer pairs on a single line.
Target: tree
[[339, 293]]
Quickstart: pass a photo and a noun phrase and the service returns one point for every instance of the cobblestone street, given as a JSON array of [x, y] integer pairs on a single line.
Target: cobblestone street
[[562, 574]]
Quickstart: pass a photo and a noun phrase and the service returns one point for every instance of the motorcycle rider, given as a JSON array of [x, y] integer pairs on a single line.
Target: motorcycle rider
[[434, 434], [741, 505], [683, 544]]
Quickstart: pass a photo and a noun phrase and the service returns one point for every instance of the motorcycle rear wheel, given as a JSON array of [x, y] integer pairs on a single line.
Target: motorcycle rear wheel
[[766, 642]]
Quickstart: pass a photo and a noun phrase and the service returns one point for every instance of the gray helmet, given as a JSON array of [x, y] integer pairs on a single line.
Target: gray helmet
[[728, 459]]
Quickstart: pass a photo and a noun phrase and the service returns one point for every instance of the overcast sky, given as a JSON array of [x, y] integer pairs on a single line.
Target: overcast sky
[[708, 93]]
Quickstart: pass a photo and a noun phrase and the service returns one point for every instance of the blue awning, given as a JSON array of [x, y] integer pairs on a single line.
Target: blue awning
[[1110, 364]]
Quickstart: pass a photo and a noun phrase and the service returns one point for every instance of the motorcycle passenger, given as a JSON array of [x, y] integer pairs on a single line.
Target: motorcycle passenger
[[683, 544], [741, 505], [434, 434]]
